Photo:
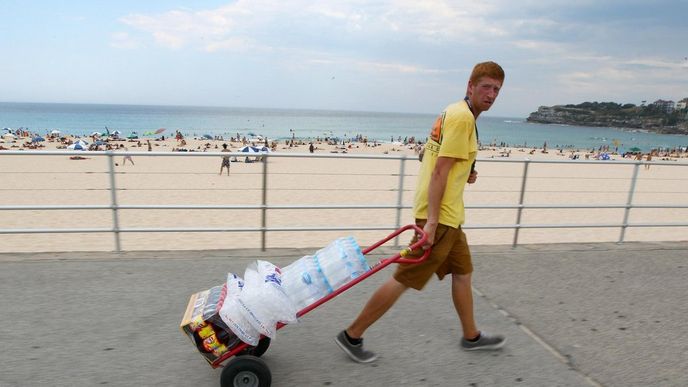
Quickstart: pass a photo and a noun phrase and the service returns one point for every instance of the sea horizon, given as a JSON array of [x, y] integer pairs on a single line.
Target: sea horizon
[[227, 107], [81, 119]]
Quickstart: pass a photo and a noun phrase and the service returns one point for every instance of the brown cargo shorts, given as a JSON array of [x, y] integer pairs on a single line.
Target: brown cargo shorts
[[450, 254]]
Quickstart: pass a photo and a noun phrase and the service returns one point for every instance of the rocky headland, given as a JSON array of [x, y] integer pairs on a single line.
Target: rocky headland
[[610, 114]]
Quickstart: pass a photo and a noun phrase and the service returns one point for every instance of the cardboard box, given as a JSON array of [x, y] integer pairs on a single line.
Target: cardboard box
[[203, 325]]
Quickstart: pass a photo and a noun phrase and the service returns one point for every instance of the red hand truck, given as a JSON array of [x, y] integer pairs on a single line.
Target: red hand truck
[[247, 369]]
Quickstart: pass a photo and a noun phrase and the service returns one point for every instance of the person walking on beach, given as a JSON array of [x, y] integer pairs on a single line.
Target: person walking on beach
[[448, 164], [649, 158], [225, 159], [126, 157]]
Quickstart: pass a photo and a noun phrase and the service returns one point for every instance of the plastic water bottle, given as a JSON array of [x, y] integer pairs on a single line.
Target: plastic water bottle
[[311, 278], [332, 261], [341, 261], [303, 283], [355, 260]]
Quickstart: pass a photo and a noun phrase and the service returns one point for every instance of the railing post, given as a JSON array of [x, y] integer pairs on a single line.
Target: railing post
[[264, 210], [520, 203], [113, 201], [400, 195], [629, 202]]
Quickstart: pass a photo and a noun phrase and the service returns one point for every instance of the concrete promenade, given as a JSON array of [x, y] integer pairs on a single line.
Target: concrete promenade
[[574, 314]]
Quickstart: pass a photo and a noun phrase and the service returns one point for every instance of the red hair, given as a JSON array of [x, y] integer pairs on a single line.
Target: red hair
[[487, 69]]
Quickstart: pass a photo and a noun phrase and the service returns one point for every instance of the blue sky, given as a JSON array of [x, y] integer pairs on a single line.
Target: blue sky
[[396, 56]]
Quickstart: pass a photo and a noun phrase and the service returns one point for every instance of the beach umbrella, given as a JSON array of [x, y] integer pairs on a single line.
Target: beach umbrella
[[249, 149], [133, 136], [76, 146], [635, 149], [55, 131], [37, 139], [159, 130], [207, 137], [265, 149], [95, 134], [148, 133], [9, 136], [81, 142], [99, 143]]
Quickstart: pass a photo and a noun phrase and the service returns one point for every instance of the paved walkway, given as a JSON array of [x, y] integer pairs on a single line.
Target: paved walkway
[[575, 315]]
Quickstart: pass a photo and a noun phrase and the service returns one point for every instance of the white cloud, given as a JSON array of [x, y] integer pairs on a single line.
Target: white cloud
[[609, 78], [569, 47], [378, 66], [177, 28], [433, 21], [233, 44], [123, 40], [441, 20], [430, 20], [242, 26], [540, 46], [658, 63]]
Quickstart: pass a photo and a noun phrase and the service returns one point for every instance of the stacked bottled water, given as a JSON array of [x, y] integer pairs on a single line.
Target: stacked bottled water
[[313, 277], [269, 295], [304, 283], [341, 261]]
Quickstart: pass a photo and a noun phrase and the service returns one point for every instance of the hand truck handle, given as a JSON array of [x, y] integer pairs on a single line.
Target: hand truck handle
[[398, 257], [421, 241]]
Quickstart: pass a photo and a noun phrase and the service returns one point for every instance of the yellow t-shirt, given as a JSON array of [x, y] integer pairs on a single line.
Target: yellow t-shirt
[[452, 135]]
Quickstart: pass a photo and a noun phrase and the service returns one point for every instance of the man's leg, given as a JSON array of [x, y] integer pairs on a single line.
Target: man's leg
[[473, 339], [350, 340], [462, 295], [378, 304]]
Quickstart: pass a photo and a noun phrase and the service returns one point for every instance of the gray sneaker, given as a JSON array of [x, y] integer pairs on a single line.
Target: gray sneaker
[[355, 352], [485, 342]]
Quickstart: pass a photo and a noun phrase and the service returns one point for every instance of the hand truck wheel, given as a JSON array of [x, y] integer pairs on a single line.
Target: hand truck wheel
[[246, 371]]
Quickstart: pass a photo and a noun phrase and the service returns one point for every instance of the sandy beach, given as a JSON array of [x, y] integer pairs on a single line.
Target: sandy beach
[[61, 180]]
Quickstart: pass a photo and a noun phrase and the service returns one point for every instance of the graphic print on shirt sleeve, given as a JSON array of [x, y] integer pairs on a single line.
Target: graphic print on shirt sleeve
[[436, 131]]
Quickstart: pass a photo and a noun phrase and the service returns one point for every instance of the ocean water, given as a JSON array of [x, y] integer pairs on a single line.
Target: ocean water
[[83, 119]]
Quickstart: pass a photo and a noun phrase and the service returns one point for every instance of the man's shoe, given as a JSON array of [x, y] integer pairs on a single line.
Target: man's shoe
[[354, 351], [485, 342]]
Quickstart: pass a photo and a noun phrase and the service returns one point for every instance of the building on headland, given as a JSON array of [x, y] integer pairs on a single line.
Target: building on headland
[[664, 106], [682, 104]]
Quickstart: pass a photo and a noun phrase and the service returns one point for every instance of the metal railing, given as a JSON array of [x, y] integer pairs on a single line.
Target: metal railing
[[264, 207]]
